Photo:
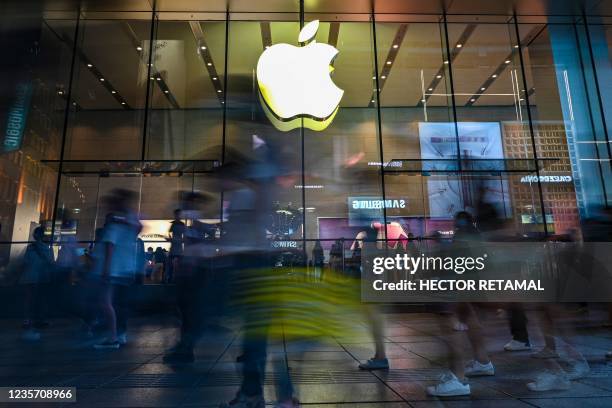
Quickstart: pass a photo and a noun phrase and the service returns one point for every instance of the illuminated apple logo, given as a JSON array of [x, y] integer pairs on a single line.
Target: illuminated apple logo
[[295, 85]]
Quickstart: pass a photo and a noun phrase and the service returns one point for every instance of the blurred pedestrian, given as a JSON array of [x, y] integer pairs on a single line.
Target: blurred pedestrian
[[116, 258], [38, 266]]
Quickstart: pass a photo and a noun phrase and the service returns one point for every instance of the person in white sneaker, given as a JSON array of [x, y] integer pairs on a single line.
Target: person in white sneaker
[[474, 368], [515, 345], [517, 319], [449, 386], [550, 381]]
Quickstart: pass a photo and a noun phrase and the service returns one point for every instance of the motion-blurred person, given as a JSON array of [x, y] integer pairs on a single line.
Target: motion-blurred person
[[67, 257], [247, 253], [318, 260], [176, 232], [374, 317], [149, 262], [454, 382], [159, 263], [116, 257], [193, 278], [38, 268], [336, 257]]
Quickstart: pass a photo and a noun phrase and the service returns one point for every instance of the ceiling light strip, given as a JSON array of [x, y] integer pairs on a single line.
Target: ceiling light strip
[[206, 56], [506, 62], [385, 71], [463, 39]]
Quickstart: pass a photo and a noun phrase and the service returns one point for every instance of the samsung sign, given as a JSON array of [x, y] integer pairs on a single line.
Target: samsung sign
[[362, 211], [546, 179], [361, 204]]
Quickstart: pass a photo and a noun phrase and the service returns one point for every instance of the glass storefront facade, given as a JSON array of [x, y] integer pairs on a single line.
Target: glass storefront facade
[[442, 109]]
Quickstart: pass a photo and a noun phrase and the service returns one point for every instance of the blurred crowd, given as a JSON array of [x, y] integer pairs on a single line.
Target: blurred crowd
[[230, 270]]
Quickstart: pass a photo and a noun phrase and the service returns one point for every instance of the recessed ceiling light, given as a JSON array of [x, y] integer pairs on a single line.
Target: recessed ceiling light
[[203, 47], [372, 101], [89, 65], [139, 48], [209, 64], [388, 62], [446, 62], [395, 46], [158, 78], [383, 76], [483, 88], [123, 103], [494, 76], [214, 78], [60, 92], [459, 45], [430, 89], [166, 91], [507, 61], [218, 90], [113, 92], [472, 100], [516, 46], [438, 76], [101, 79], [152, 78]]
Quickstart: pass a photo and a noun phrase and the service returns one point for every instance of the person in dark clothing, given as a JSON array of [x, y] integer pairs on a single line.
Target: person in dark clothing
[[318, 259], [177, 232], [38, 264]]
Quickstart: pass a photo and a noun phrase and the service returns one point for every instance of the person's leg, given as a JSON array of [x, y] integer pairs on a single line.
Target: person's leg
[[475, 334], [517, 318], [108, 311], [120, 304], [254, 362]]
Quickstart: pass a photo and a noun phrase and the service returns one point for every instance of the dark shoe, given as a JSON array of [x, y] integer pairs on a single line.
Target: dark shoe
[[177, 356], [41, 324]]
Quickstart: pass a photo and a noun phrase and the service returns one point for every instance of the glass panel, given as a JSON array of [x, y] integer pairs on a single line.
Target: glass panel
[[35, 84], [186, 116], [109, 89], [337, 174], [562, 124], [268, 160]]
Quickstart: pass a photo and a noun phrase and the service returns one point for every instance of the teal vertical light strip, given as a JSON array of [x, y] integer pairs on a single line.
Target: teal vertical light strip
[[17, 117]]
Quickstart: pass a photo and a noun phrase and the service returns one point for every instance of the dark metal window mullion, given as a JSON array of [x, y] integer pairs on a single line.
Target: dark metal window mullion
[[148, 97], [530, 119], [378, 122], [590, 104], [65, 126]]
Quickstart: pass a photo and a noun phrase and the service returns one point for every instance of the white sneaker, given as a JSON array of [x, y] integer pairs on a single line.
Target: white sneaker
[[122, 339], [459, 326], [476, 369], [577, 369], [449, 386], [550, 382], [545, 353], [31, 335], [515, 345]]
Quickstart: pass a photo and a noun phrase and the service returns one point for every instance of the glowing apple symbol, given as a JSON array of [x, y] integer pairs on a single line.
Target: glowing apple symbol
[[295, 84]]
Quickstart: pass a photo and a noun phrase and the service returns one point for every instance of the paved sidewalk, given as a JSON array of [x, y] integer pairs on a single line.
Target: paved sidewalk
[[325, 375]]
